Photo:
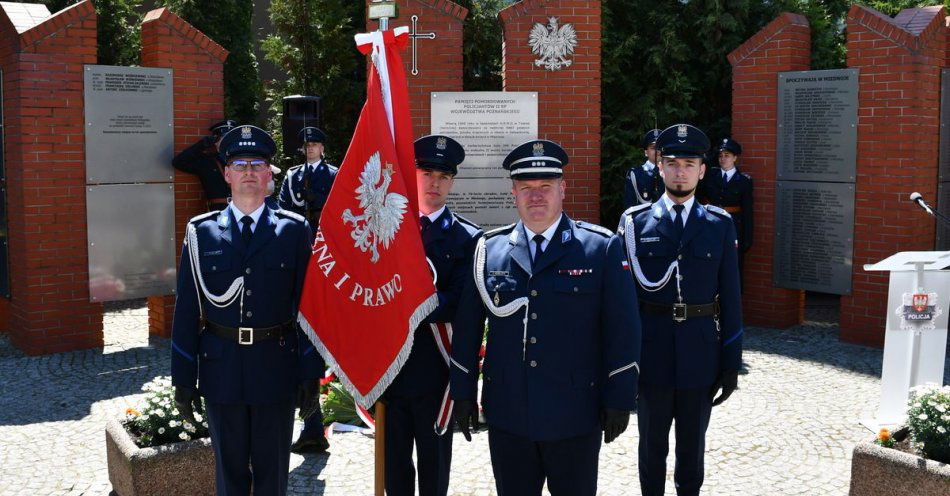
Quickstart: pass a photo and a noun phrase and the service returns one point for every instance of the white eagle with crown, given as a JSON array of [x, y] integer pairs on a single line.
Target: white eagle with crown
[[553, 44], [383, 211]]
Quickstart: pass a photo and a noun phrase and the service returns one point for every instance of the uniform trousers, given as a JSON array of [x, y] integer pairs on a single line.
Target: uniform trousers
[[259, 434], [658, 407], [521, 465], [411, 421]]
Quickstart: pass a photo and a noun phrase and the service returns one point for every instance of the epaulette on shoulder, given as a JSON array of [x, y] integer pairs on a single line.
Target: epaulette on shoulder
[[636, 208], [332, 167], [500, 230], [463, 220], [718, 211], [747, 176], [207, 215], [290, 215], [595, 228], [294, 169]]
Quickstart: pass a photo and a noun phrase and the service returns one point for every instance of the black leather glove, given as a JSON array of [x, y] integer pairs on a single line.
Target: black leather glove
[[614, 422], [728, 380], [308, 398], [188, 401], [466, 417]]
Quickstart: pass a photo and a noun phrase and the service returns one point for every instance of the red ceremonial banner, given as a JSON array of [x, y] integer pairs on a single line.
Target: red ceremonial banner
[[368, 285]]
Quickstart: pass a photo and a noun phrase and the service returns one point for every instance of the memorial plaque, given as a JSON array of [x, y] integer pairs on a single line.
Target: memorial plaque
[[129, 134], [814, 236], [488, 124], [4, 224], [943, 206], [817, 125], [131, 240], [943, 165]]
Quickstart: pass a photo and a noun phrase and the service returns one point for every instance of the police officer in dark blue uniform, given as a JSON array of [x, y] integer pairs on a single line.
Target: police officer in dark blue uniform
[[683, 257], [731, 189], [304, 191], [643, 183], [235, 340], [202, 159], [416, 397], [563, 344]]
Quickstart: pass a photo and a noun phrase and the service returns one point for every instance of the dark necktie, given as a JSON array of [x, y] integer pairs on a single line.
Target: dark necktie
[[725, 178], [424, 223], [678, 221], [538, 239], [246, 231]]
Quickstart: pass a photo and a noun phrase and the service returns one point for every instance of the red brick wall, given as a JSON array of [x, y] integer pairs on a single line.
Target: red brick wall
[[898, 127], [568, 99], [197, 63], [783, 45], [44, 158], [439, 61]]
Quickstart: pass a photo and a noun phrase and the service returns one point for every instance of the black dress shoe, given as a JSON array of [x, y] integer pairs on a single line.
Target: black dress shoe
[[310, 444]]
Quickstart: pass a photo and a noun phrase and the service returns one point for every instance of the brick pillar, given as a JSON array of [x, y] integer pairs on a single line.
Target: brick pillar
[[197, 63], [569, 98], [898, 129], [42, 61], [439, 61], [783, 45]]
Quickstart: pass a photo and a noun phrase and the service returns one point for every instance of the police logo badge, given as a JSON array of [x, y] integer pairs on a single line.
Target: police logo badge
[[918, 311], [246, 132], [681, 131], [441, 143], [919, 302], [538, 149]]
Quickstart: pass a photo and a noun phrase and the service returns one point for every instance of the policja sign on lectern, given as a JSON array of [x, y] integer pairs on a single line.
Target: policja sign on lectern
[[915, 340]]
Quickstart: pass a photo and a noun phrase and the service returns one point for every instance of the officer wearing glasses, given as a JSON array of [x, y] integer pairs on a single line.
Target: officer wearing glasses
[[235, 341]]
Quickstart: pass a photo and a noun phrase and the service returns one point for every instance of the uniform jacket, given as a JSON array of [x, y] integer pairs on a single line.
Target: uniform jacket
[[196, 160], [305, 188], [687, 354], [640, 186], [736, 193], [449, 243], [273, 267], [582, 341]]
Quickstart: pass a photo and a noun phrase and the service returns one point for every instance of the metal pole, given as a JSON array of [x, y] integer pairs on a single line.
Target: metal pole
[[380, 442]]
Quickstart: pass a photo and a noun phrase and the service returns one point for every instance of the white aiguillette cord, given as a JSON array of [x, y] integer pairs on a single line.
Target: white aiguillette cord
[[498, 311], [630, 239], [220, 301]]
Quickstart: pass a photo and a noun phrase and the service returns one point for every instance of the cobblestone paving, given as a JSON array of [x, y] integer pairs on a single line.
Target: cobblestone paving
[[788, 430]]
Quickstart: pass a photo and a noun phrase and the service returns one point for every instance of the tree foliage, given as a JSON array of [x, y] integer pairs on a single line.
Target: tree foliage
[[228, 22], [313, 44], [118, 28], [481, 46]]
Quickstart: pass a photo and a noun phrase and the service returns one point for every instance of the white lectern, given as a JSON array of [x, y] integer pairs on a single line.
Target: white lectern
[[915, 340]]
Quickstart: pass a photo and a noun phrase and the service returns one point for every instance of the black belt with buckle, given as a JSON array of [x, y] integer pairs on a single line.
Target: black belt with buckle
[[250, 335], [681, 311]]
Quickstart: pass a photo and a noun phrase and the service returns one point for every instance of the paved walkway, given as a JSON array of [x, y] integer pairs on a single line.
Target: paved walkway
[[789, 430]]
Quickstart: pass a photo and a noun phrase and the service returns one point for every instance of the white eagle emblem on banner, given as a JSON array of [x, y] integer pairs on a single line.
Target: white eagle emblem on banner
[[382, 211], [553, 44]]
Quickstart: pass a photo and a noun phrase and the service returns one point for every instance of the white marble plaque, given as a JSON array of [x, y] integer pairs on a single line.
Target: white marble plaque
[[488, 124]]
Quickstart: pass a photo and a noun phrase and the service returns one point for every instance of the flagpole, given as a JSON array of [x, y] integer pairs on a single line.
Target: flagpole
[[380, 438]]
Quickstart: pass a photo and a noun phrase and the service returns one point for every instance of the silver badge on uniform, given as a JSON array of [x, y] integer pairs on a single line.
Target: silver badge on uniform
[[538, 149], [246, 132], [446, 223], [565, 236], [440, 143], [681, 131], [651, 239]]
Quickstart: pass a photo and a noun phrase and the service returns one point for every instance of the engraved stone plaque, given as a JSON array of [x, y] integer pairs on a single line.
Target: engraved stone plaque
[[814, 236], [488, 124], [817, 125], [129, 134]]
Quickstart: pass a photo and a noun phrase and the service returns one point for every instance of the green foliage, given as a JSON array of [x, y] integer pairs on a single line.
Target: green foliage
[[313, 44], [892, 7], [338, 406], [481, 46], [118, 28], [158, 422], [228, 22]]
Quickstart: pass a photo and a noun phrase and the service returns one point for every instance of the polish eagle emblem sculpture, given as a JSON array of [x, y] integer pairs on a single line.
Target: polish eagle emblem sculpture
[[382, 211], [553, 44]]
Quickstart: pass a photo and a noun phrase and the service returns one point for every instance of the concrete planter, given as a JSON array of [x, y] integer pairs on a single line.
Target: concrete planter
[[884, 471], [180, 468]]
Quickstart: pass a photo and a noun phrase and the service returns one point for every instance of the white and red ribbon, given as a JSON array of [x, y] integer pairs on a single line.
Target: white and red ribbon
[[442, 333]]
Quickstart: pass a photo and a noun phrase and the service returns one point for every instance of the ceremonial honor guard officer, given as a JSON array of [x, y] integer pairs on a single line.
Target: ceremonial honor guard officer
[[416, 403], [304, 191], [202, 159], [235, 339], [683, 257], [563, 338], [729, 188], [643, 183]]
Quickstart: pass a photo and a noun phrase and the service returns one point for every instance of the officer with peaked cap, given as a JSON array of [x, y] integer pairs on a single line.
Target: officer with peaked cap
[[643, 183], [731, 189], [684, 262], [305, 190], [563, 343], [416, 404], [235, 340], [202, 160]]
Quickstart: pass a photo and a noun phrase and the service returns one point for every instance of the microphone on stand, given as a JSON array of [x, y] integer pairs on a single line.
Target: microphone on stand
[[919, 200]]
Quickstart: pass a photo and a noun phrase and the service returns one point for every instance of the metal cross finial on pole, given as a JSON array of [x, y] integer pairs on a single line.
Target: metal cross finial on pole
[[413, 35]]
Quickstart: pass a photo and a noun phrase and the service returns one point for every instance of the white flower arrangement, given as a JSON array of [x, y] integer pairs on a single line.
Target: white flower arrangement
[[928, 421], [159, 421]]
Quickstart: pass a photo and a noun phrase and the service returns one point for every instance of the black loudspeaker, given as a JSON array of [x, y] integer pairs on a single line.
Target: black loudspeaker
[[299, 112]]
